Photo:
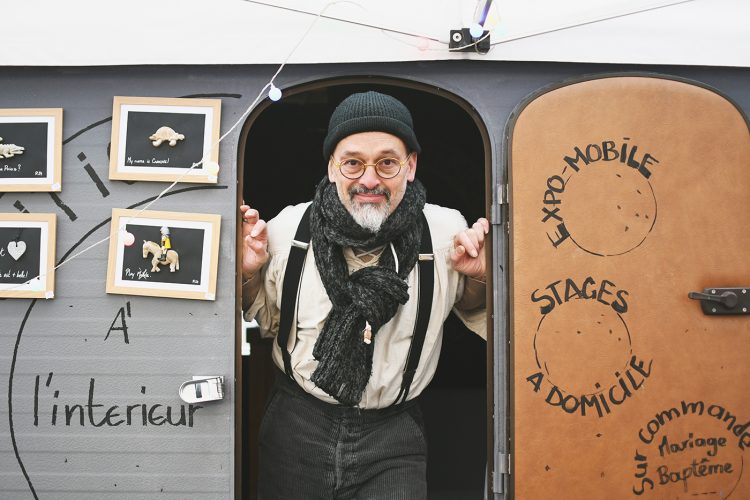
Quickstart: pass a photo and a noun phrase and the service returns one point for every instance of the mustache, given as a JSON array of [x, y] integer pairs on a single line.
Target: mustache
[[355, 190]]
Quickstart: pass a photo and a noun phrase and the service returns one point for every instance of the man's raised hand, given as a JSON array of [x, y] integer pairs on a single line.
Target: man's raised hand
[[467, 256], [254, 242]]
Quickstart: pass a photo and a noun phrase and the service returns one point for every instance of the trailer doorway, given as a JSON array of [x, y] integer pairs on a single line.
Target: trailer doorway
[[280, 163]]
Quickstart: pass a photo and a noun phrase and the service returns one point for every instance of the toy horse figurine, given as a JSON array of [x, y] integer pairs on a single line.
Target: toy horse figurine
[[173, 259]]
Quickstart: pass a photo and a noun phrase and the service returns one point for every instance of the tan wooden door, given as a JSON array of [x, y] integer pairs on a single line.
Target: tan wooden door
[[627, 193]]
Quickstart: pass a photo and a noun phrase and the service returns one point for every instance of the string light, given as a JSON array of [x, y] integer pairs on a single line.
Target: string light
[[36, 284], [486, 13], [126, 237], [212, 168], [476, 30], [275, 93]]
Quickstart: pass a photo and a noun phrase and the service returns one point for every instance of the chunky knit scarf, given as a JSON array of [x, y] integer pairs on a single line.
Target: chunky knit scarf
[[370, 294]]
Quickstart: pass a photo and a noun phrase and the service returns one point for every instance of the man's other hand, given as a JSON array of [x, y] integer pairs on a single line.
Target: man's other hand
[[467, 255]]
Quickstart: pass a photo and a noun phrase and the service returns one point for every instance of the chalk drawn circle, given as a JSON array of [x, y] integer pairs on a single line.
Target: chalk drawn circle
[[682, 440], [582, 347], [608, 209]]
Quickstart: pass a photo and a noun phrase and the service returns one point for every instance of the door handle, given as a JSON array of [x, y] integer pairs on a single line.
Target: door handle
[[722, 301]]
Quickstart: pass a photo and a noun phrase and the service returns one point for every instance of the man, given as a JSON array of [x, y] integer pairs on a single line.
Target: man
[[343, 420]]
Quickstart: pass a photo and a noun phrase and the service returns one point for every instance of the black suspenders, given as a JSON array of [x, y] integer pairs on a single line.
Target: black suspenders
[[426, 271], [290, 289], [290, 292]]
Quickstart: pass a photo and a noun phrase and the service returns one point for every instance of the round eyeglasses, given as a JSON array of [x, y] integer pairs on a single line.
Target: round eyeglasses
[[354, 168]]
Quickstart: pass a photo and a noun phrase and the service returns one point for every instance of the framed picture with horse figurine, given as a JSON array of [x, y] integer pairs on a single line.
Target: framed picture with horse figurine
[[163, 254]]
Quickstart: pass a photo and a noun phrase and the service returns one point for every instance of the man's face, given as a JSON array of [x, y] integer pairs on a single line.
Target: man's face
[[371, 199]]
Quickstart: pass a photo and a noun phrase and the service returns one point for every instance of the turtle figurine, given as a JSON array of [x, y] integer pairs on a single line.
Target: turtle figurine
[[165, 134]]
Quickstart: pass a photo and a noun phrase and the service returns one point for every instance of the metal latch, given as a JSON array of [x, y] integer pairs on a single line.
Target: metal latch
[[202, 389], [722, 301]]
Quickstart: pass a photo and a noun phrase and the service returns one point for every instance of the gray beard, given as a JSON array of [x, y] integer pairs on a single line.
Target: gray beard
[[369, 215]]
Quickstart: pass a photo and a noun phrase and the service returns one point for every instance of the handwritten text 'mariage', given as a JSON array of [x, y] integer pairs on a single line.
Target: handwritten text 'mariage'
[[652, 428]]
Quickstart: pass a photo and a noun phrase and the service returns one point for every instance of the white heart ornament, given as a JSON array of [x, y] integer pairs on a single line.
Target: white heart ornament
[[16, 249]]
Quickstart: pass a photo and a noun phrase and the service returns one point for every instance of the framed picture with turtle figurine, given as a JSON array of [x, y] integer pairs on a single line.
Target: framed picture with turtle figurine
[[31, 149], [163, 254], [165, 139], [27, 255]]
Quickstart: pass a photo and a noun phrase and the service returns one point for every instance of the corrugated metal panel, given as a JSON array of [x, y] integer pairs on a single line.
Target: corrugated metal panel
[[97, 417]]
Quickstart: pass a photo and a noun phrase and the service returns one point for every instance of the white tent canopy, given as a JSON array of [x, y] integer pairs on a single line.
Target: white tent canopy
[[88, 32]]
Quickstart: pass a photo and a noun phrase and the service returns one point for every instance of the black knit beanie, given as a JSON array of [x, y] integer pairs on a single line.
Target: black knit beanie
[[370, 112]]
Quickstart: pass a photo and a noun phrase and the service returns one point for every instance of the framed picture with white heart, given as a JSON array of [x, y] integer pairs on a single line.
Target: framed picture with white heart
[[27, 255]]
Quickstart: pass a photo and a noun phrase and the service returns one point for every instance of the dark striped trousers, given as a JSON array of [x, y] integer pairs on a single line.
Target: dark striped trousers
[[311, 450]]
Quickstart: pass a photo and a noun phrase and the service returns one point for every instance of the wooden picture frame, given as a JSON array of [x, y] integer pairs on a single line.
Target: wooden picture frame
[[159, 139], [27, 255], [190, 270], [31, 149]]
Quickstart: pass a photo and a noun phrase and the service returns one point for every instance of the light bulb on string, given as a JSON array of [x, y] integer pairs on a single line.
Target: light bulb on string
[[211, 168], [36, 284], [476, 30], [275, 93], [126, 237]]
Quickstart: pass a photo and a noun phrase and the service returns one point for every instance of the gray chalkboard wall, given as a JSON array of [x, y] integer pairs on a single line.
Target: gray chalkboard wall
[[89, 400]]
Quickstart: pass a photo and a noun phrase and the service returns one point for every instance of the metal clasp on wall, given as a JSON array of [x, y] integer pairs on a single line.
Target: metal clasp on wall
[[202, 389]]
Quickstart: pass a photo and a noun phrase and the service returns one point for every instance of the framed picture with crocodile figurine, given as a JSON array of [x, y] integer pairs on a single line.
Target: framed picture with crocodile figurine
[[31, 149]]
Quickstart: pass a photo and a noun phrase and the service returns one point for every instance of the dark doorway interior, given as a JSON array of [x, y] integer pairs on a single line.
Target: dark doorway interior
[[283, 163]]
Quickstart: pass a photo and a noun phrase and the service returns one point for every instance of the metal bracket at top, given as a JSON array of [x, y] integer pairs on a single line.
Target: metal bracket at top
[[462, 41]]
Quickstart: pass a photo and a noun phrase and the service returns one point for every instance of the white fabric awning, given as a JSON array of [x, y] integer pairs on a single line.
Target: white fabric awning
[[88, 32]]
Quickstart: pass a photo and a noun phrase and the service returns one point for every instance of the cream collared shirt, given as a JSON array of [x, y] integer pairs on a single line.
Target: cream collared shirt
[[394, 338]]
